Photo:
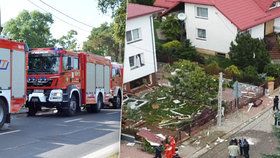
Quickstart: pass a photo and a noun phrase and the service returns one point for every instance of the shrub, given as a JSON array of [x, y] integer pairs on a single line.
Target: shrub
[[172, 49], [272, 70], [232, 72], [213, 68], [270, 78], [222, 62], [250, 75]]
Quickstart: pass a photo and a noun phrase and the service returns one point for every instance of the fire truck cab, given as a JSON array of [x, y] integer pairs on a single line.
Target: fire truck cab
[[68, 81], [13, 78]]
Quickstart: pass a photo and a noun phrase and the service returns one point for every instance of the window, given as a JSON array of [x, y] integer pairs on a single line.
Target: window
[[76, 64], [65, 63], [133, 35], [201, 34], [202, 12], [115, 72], [136, 61]]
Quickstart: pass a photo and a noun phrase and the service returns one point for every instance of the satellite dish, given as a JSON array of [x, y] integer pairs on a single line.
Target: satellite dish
[[182, 16]]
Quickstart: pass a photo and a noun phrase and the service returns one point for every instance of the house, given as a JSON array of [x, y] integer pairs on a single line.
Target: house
[[211, 25], [140, 64]]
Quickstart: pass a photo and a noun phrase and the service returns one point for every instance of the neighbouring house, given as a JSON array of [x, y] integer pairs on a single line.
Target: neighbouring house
[[211, 25], [140, 63]]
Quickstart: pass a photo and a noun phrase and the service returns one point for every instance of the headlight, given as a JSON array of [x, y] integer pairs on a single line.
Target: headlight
[[56, 95]]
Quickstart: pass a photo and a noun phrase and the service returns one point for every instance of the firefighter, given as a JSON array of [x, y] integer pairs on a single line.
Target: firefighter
[[172, 144], [168, 151]]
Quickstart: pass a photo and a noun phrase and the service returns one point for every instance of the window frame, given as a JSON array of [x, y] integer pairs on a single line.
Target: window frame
[[131, 33], [197, 34], [135, 58], [200, 16]]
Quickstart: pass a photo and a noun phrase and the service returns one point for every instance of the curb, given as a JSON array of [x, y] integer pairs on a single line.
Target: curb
[[203, 150]]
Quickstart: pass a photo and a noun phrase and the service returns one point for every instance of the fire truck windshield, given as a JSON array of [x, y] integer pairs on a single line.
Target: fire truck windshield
[[43, 63]]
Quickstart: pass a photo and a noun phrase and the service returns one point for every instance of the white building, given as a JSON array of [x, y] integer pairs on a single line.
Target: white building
[[211, 25], [140, 62]]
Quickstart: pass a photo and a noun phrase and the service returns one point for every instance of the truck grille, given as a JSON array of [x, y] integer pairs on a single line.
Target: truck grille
[[39, 84]]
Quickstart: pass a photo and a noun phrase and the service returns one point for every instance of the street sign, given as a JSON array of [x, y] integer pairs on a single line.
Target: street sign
[[236, 90]]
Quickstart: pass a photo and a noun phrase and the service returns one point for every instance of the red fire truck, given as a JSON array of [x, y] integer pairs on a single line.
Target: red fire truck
[[68, 81], [13, 78]]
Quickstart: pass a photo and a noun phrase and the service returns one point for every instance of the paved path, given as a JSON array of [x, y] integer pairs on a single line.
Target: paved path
[[254, 124], [48, 135]]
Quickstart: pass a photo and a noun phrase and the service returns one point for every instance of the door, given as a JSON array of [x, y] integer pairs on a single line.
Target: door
[[269, 27], [18, 74], [5, 69]]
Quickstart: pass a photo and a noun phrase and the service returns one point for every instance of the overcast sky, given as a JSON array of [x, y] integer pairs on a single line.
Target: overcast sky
[[85, 11]]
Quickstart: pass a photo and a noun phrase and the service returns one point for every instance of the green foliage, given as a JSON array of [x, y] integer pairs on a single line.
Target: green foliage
[[101, 42], [147, 147], [171, 28], [189, 52], [247, 51], [223, 62], [192, 83], [250, 75], [213, 68], [68, 42], [106, 6], [232, 72], [32, 28], [270, 78], [272, 70]]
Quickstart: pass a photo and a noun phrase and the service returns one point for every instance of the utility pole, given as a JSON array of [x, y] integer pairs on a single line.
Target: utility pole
[[220, 98]]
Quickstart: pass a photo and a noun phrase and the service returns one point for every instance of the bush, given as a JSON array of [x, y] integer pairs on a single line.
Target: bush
[[213, 68], [172, 49], [270, 78], [232, 72], [272, 70], [250, 75], [222, 62], [189, 52]]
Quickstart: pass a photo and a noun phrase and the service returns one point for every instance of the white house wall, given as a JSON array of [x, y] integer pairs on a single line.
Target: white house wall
[[145, 46], [257, 31], [219, 30]]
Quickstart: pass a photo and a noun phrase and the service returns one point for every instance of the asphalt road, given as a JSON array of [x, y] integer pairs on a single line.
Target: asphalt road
[[258, 133], [49, 135]]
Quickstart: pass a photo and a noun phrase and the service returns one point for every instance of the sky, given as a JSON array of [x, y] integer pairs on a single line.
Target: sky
[[85, 11]]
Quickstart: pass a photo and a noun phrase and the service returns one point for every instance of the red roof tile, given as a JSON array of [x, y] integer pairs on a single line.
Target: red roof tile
[[136, 10], [165, 3], [244, 14]]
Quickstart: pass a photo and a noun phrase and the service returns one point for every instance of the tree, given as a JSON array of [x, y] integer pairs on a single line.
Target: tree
[[68, 42], [32, 28], [171, 28], [101, 42], [109, 5], [247, 51], [190, 82]]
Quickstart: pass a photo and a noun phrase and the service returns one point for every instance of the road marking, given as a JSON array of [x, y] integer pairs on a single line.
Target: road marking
[[78, 119], [10, 132], [111, 113], [105, 152]]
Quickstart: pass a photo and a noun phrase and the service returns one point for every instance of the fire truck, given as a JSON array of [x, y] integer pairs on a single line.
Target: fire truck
[[13, 68], [69, 81]]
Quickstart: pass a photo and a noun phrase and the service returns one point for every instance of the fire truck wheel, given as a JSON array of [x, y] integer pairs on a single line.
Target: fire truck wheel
[[32, 110], [118, 101], [97, 107], [72, 107], [3, 113]]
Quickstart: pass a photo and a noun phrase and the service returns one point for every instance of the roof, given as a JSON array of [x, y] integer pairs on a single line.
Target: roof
[[244, 14], [137, 10], [165, 3]]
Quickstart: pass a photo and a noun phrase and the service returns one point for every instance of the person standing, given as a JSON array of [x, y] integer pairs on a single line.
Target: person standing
[[158, 151], [275, 103], [276, 117], [233, 151], [241, 146], [246, 148]]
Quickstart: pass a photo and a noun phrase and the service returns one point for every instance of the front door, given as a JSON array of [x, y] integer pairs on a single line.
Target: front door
[[269, 27]]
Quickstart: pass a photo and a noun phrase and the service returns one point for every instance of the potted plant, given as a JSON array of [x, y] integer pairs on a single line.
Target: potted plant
[[270, 83]]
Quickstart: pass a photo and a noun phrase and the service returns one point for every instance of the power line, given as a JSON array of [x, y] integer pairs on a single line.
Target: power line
[[65, 14], [58, 17]]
